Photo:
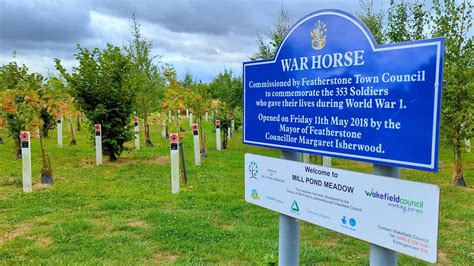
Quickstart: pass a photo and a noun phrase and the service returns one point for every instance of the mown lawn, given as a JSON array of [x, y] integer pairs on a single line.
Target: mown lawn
[[124, 212]]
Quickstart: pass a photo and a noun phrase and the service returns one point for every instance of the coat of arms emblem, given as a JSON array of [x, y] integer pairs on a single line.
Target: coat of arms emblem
[[319, 35]]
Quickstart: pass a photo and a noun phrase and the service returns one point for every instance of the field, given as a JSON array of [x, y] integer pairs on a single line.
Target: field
[[124, 212]]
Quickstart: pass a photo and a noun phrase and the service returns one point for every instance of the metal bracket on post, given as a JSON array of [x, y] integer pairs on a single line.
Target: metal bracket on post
[[380, 255], [289, 229]]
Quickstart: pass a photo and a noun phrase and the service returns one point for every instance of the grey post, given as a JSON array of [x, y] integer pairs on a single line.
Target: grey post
[[380, 255], [289, 231]]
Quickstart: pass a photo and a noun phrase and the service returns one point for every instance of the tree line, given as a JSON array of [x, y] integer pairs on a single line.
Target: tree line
[[109, 87]]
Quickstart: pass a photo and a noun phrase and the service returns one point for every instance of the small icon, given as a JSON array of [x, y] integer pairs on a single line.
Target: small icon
[[253, 169], [352, 222], [295, 207], [254, 194], [344, 221]]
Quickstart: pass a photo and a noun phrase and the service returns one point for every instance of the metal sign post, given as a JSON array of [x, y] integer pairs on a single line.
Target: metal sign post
[[289, 228], [380, 255], [174, 155], [26, 158], [98, 144], [60, 131], [137, 133], [218, 135], [197, 153]]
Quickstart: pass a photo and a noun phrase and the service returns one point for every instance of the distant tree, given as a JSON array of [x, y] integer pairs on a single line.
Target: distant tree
[[372, 19], [145, 77], [174, 99], [268, 45], [453, 22], [406, 22], [228, 90], [101, 88], [197, 97]]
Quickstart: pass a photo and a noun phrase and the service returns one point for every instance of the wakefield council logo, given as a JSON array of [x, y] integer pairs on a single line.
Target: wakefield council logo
[[253, 169], [319, 35]]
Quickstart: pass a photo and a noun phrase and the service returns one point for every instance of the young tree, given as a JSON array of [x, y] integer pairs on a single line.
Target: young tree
[[453, 22], [268, 46], [15, 85], [45, 100], [197, 97], [145, 77], [174, 99], [228, 90], [372, 19], [406, 22], [101, 88]]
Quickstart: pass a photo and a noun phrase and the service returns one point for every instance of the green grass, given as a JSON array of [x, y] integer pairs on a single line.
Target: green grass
[[124, 212]]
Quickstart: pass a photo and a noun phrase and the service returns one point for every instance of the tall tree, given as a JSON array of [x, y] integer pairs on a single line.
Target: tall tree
[[372, 19], [101, 88], [145, 77], [268, 45], [406, 21], [453, 22]]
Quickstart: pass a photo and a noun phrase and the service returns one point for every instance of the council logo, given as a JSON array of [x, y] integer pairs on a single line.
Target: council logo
[[253, 169], [319, 35]]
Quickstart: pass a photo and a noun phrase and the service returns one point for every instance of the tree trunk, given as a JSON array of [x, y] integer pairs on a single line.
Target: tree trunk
[[458, 174], [73, 133], [112, 157], [148, 142], [224, 141], [46, 170], [18, 146], [45, 129], [202, 138], [79, 118]]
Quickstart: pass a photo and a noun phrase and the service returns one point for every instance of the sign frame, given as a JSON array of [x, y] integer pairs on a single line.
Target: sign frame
[[347, 154]]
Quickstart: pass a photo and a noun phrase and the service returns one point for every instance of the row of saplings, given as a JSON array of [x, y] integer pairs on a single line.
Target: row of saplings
[[224, 129]]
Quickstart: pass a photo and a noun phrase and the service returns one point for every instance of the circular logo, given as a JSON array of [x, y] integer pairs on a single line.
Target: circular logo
[[352, 222]]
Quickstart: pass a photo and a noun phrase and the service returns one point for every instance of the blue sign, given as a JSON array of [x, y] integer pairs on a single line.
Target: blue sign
[[332, 90]]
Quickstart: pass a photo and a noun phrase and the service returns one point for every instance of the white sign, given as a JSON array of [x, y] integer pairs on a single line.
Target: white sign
[[396, 214]]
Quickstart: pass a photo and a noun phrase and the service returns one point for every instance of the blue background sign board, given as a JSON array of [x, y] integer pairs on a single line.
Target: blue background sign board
[[332, 90]]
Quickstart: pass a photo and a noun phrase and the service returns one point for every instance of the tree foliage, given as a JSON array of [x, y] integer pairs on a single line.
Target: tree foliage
[[16, 85], [227, 89], [145, 77], [101, 88], [268, 45], [372, 19], [453, 22]]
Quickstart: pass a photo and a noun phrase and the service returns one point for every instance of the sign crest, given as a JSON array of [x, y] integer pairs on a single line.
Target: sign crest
[[319, 35]]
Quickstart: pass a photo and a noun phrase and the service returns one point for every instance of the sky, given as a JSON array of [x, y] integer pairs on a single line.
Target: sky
[[203, 37]]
